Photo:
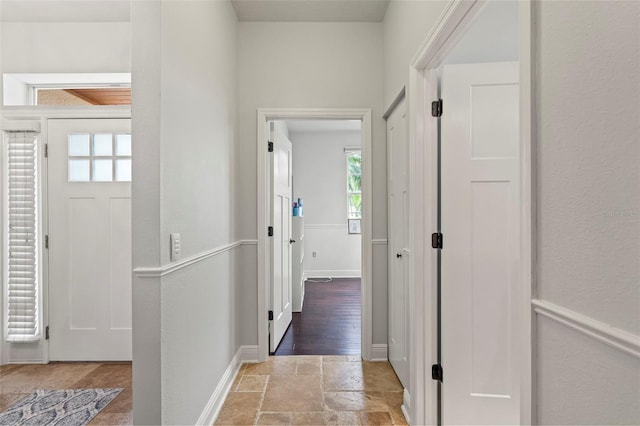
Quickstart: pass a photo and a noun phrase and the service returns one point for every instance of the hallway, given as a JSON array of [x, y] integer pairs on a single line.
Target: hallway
[[314, 390], [329, 323]]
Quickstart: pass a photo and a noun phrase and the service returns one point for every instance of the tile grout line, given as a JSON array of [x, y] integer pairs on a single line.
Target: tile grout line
[[262, 396]]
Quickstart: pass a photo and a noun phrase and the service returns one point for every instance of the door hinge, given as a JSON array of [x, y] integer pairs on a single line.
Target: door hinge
[[436, 108], [436, 372], [270, 315], [46, 150], [270, 146], [436, 240], [270, 231], [46, 241], [46, 333]]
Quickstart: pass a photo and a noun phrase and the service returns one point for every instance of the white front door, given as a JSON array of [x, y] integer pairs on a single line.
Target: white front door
[[281, 167], [480, 257], [399, 303], [89, 196]]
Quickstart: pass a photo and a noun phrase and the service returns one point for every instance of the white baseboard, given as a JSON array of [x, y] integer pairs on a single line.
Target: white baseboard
[[219, 395], [406, 406], [248, 353], [379, 352], [331, 274]]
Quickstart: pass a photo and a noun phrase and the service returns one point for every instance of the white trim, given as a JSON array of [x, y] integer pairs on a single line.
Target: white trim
[[169, 268], [399, 97], [527, 209], [379, 352], [75, 79], [450, 27], [605, 333], [379, 242], [332, 274], [326, 226], [21, 126], [214, 405], [249, 353], [66, 112], [263, 115], [406, 406]]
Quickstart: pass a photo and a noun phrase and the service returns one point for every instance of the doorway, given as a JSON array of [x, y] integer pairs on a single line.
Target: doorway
[[265, 219], [472, 137], [325, 241]]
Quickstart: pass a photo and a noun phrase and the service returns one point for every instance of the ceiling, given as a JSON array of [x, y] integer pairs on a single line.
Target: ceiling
[[246, 10], [311, 10], [107, 96], [323, 125]]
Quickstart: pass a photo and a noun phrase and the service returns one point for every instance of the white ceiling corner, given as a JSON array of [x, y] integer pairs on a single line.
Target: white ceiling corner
[[310, 10]]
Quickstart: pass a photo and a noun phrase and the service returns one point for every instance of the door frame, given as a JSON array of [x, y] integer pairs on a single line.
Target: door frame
[[264, 115], [452, 24], [39, 351]]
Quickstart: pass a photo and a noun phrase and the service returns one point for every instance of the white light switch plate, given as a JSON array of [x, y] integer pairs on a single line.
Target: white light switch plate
[[175, 246]]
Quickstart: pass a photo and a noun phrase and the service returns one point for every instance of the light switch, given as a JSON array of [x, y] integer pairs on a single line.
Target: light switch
[[175, 246]]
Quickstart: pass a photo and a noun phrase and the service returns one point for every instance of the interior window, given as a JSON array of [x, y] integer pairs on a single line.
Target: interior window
[[354, 185]]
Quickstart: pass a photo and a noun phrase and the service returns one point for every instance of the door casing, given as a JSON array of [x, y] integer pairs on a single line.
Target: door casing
[[39, 353], [452, 24], [264, 193]]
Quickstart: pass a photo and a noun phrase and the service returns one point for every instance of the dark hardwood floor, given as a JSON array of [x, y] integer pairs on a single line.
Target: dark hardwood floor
[[329, 323]]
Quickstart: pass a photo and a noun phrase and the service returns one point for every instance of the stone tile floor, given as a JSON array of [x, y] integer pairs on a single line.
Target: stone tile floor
[[18, 381], [314, 390]]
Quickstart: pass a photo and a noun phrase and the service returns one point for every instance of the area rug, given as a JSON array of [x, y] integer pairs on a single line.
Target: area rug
[[72, 407]]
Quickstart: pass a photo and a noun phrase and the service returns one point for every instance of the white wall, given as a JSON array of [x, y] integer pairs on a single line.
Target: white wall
[[320, 179], [185, 79], [312, 65], [493, 36], [406, 25], [64, 47], [588, 206]]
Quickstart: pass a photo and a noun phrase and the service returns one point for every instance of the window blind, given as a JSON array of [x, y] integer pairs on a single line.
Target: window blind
[[22, 237]]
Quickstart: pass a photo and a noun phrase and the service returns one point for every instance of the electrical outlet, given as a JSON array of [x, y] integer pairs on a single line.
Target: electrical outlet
[[313, 254], [175, 247]]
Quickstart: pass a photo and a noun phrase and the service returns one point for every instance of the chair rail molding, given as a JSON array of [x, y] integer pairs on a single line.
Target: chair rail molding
[[169, 268], [605, 333]]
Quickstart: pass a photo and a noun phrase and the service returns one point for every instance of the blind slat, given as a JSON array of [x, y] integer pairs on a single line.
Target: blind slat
[[22, 263]]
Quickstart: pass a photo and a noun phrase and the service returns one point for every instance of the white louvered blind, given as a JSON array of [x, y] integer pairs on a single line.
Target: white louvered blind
[[22, 237]]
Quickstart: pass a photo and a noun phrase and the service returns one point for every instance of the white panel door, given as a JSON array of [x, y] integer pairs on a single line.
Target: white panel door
[[480, 258], [281, 247], [398, 228], [89, 194]]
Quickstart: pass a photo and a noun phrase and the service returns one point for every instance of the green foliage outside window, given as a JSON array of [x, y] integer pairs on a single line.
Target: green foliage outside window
[[354, 185]]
